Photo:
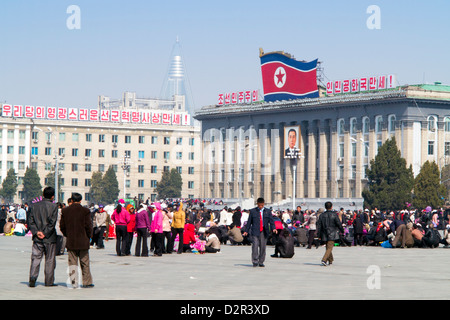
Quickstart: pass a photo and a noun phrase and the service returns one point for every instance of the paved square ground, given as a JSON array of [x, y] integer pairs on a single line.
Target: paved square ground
[[357, 273]]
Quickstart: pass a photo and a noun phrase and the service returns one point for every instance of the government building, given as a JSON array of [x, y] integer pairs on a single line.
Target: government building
[[139, 138], [244, 145]]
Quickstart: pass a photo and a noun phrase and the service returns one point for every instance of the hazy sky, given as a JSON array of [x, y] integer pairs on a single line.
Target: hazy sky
[[126, 45]]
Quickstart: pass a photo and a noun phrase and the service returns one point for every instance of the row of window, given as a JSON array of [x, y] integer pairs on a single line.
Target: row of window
[[102, 138], [366, 125], [140, 184], [101, 153]]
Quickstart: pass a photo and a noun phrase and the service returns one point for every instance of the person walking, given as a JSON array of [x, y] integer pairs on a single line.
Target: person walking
[[142, 228], [259, 225], [178, 221], [76, 225], [156, 229], [328, 228], [121, 218], [167, 230], [42, 217]]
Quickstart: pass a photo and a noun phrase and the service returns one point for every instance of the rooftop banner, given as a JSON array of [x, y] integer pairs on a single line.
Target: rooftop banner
[[285, 78]]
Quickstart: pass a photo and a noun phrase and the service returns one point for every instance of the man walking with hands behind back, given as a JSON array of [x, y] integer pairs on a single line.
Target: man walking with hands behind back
[[76, 225], [328, 228], [260, 222]]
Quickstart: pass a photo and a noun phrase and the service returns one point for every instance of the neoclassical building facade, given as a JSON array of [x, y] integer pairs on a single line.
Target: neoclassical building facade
[[243, 145]]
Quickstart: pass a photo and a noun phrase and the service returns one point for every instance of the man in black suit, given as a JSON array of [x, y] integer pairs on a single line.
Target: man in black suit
[[259, 224], [292, 151], [42, 219]]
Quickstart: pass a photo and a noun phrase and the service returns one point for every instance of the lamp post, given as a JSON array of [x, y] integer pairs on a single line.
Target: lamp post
[[126, 164], [53, 135]]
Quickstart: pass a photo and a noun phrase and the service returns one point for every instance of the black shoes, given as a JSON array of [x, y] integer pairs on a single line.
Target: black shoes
[[32, 283], [88, 286]]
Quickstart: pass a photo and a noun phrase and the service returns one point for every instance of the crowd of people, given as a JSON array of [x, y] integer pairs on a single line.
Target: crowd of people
[[186, 226], [168, 226]]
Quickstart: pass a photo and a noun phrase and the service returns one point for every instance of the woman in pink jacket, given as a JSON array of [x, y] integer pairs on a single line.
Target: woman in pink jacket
[[157, 229], [121, 218]]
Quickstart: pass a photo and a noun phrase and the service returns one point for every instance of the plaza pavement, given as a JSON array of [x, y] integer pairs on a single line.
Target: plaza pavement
[[358, 273]]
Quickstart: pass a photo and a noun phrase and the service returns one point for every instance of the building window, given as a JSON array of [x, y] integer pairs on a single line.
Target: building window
[[447, 124], [432, 121], [101, 153], [191, 170], [154, 183], [366, 125], [179, 170], [141, 139], [179, 155], [88, 167], [87, 182], [74, 182], [190, 184], [430, 148], [141, 154], [391, 123], [48, 151], [101, 138], [114, 154], [340, 126], [127, 139], [191, 156], [101, 167], [74, 152], [154, 154], [88, 137], [140, 168], [75, 137], [140, 183], [354, 149], [115, 138], [378, 124], [191, 141], [74, 167], [154, 140], [166, 140], [179, 140], [353, 126], [88, 152], [166, 155], [447, 148], [154, 169], [34, 151]]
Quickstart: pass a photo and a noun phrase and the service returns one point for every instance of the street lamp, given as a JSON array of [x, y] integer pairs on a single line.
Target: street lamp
[[126, 164], [53, 134]]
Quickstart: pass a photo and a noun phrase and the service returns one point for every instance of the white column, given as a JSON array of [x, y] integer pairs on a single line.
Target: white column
[[27, 146], [4, 151]]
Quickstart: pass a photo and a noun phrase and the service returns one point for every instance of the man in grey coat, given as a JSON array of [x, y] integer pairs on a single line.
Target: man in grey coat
[[328, 228], [42, 218]]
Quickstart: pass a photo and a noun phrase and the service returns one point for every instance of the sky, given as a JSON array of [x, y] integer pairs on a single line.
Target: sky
[[126, 45]]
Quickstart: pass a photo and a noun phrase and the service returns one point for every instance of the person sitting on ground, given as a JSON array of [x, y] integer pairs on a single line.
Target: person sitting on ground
[[8, 229], [417, 236], [432, 238], [188, 237], [284, 247], [212, 242], [234, 235], [20, 229], [446, 240], [403, 236]]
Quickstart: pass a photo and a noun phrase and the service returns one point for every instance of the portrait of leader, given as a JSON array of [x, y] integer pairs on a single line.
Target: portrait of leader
[[292, 142]]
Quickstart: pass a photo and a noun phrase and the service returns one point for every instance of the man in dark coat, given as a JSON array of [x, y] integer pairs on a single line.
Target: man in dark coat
[[42, 219], [284, 245], [358, 227], [328, 228], [259, 225], [76, 225]]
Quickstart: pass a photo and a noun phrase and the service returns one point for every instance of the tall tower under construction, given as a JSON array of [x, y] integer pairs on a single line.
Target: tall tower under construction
[[176, 82]]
